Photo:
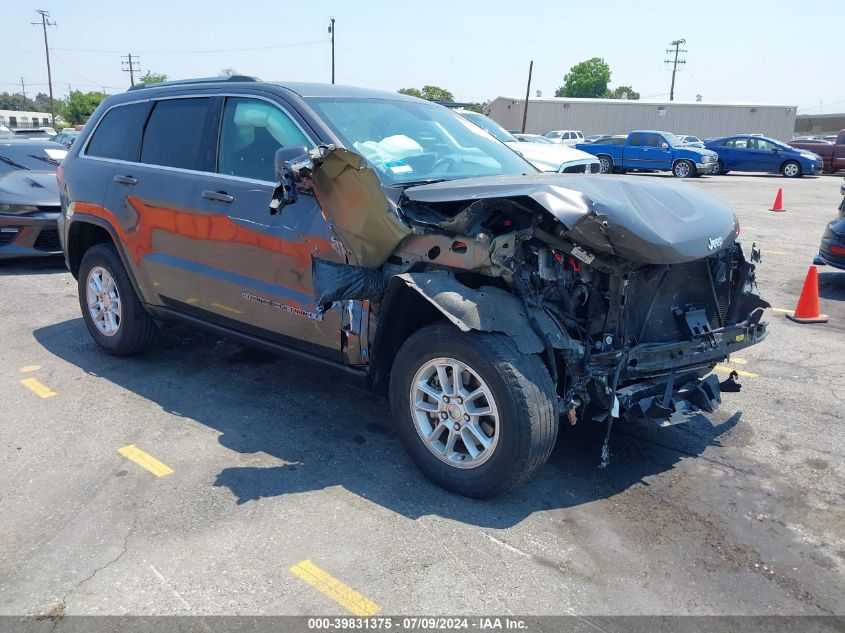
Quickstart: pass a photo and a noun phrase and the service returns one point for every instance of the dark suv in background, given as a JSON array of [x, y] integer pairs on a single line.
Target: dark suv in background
[[388, 239]]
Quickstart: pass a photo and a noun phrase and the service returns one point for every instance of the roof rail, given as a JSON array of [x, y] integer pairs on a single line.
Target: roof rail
[[198, 80]]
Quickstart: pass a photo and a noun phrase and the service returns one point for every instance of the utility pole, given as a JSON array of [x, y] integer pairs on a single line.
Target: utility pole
[[527, 93], [45, 22], [331, 31], [23, 88], [677, 49], [131, 65]]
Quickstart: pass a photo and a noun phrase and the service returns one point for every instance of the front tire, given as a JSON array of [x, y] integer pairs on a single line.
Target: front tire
[[475, 415], [791, 169], [683, 169], [110, 308]]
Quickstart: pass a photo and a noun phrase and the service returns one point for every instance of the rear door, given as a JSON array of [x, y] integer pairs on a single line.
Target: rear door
[[257, 266], [734, 156], [632, 153]]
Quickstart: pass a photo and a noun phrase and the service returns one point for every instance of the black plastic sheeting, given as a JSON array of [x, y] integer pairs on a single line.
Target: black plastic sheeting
[[340, 282]]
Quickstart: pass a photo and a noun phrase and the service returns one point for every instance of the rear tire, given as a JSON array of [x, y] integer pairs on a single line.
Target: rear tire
[[791, 169], [720, 168], [516, 387], [110, 308]]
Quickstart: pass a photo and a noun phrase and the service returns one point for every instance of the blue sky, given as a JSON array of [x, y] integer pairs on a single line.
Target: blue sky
[[751, 51]]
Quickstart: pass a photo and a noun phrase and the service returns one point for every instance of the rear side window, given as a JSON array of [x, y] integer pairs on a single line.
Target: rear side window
[[174, 135], [118, 134], [636, 138]]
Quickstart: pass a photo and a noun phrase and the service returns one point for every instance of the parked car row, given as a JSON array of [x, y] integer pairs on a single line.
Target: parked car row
[[832, 152], [650, 150]]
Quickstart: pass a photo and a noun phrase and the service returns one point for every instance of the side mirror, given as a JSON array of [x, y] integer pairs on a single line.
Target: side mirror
[[288, 163], [664, 145]]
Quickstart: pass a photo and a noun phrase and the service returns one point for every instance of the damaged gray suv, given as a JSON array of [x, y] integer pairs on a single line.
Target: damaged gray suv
[[392, 241]]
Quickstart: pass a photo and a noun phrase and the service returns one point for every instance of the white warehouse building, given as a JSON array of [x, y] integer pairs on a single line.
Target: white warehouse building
[[618, 116]]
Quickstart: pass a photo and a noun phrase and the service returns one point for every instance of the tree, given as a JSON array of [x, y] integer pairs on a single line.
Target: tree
[[429, 93], [587, 79], [153, 78], [42, 102], [12, 101], [80, 105], [623, 92]]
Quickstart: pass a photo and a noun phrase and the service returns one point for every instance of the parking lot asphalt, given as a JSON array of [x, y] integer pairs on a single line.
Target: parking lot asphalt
[[204, 477]]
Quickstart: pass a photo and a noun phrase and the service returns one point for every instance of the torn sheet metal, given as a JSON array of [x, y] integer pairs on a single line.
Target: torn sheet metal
[[488, 309], [645, 221], [352, 199], [339, 282]]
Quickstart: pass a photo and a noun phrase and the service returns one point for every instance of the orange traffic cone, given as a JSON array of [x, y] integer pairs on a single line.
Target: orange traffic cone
[[778, 206], [807, 310]]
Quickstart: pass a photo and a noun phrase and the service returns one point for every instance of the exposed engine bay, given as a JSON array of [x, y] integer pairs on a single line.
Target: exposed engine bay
[[631, 290]]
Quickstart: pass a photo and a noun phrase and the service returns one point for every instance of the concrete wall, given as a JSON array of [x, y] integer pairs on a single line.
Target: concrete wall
[[611, 116], [819, 123]]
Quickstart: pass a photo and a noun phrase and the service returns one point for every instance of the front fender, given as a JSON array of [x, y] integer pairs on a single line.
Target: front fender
[[486, 309]]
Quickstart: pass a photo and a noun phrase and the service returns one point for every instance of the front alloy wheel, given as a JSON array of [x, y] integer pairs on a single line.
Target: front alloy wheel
[[475, 414], [683, 169], [103, 301], [454, 412], [791, 169]]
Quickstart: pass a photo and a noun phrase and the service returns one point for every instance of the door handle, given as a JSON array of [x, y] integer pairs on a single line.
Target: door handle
[[218, 196], [126, 180]]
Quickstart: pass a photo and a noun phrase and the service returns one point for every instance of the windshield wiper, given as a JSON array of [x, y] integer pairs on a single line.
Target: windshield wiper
[[9, 161], [51, 161], [415, 183]]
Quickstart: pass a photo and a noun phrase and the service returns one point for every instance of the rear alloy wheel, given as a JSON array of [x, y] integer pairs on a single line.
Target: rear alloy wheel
[[475, 414], [683, 169], [112, 313], [791, 169], [605, 164]]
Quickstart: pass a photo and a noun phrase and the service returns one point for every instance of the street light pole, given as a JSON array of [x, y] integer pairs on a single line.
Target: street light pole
[[45, 22], [331, 31]]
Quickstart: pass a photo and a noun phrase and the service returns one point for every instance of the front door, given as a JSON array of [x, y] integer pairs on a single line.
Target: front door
[[258, 265]]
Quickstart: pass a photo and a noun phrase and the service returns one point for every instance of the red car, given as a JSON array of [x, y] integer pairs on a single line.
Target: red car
[[833, 154]]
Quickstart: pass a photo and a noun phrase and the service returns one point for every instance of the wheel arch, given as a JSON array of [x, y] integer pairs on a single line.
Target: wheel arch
[[86, 231], [414, 300]]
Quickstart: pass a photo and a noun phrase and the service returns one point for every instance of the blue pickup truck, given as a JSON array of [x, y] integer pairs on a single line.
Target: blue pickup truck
[[653, 151]]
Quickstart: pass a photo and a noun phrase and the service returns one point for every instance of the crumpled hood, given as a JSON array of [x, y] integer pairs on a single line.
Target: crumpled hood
[[26, 186], [549, 157], [643, 220]]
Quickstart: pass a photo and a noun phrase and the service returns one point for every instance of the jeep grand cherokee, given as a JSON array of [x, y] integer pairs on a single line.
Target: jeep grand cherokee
[[392, 240]]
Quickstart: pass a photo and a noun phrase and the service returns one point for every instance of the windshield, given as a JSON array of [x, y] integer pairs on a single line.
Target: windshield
[[673, 140], [488, 124], [410, 142], [18, 155]]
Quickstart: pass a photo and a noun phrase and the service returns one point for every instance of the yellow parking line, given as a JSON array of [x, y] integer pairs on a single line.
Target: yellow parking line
[[785, 311], [738, 361], [30, 368], [345, 596], [145, 460], [766, 251], [226, 308], [745, 374], [37, 388]]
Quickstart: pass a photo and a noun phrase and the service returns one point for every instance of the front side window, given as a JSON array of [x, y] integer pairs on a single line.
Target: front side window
[[118, 134], [411, 142], [652, 140], [251, 133], [174, 134]]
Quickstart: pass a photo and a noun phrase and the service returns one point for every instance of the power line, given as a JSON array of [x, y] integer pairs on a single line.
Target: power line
[[194, 51], [675, 63], [130, 66], [45, 22]]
